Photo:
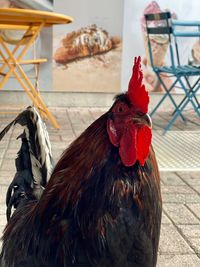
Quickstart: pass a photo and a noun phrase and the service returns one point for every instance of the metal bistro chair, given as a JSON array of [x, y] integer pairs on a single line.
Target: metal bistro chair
[[164, 25]]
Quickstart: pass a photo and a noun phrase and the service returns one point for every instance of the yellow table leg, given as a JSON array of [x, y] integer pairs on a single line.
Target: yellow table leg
[[16, 47], [22, 53], [33, 94], [32, 97]]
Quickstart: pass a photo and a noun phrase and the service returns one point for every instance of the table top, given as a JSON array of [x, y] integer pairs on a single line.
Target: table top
[[26, 17]]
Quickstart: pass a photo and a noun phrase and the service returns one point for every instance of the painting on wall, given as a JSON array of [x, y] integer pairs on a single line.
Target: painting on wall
[[87, 53]]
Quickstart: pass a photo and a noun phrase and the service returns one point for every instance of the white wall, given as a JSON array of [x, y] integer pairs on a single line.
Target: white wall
[[107, 14]]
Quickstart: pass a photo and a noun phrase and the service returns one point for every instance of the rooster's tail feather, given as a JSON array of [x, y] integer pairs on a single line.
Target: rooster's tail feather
[[34, 159]]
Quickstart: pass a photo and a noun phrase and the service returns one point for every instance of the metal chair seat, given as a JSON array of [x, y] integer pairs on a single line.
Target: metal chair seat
[[180, 70]]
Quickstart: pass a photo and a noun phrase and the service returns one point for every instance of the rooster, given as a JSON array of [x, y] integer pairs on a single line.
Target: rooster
[[102, 204]]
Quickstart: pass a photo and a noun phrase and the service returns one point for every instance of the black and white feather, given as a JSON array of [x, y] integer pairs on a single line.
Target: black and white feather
[[34, 159]]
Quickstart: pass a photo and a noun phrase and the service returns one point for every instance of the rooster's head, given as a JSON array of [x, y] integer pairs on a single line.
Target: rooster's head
[[129, 125]]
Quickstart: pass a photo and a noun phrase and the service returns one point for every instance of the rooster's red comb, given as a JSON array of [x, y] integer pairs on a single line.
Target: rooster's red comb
[[137, 93]]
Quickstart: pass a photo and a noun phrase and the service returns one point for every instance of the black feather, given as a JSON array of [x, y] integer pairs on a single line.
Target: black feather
[[33, 162]]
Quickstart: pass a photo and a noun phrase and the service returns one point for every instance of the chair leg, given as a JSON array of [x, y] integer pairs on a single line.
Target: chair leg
[[162, 99], [167, 94], [190, 96], [176, 115], [190, 90]]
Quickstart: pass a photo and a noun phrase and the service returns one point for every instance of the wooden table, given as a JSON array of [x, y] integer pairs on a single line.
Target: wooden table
[[30, 22]]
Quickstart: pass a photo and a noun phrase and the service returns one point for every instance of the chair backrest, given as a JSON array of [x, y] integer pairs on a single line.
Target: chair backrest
[[188, 29], [162, 24], [159, 24]]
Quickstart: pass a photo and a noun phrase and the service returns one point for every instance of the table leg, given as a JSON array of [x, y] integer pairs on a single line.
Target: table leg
[[33, 94]]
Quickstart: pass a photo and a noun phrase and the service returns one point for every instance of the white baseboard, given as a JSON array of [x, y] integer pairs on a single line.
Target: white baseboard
[[76, 99]]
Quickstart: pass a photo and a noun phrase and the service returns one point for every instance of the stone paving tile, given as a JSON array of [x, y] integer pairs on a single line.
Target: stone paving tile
[[171, 242], [57, 154], [6, 181], [192, 121], [158, 122], [3, 144], [172, 260], [181, 198], [195, 244], [165, 219], [170, 178], [8, 164], [190, 231], [197, 188], [3, 190], [3, 208], [2, 152], [97, 112], [15, 144], [195, 208], [2, 220], [58, 145], [8, 135], [180, 214], [5, 174], [86, 117], [177, 189], [78, 117], [162, 120], [67, 138], [192, 178]]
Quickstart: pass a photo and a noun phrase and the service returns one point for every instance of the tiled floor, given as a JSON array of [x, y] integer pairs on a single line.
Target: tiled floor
[[180, 235]]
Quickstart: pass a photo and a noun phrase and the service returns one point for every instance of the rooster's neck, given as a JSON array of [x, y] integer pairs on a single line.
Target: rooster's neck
[[86, 156]]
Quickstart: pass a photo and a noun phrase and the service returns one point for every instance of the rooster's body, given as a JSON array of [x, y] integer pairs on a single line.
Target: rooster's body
[[102, 204]]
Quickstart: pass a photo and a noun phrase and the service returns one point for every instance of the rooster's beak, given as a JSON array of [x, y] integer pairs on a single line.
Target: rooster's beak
[[143, 120], [148, 120]]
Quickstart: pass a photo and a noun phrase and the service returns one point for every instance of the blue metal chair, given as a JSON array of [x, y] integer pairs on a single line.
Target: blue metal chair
[[166, 26]]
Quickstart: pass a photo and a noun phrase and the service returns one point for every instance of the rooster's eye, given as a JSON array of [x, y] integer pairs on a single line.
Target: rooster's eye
[[120, 108]]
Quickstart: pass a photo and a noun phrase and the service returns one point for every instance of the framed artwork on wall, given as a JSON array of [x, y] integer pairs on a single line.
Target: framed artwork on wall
[[87, 53]]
